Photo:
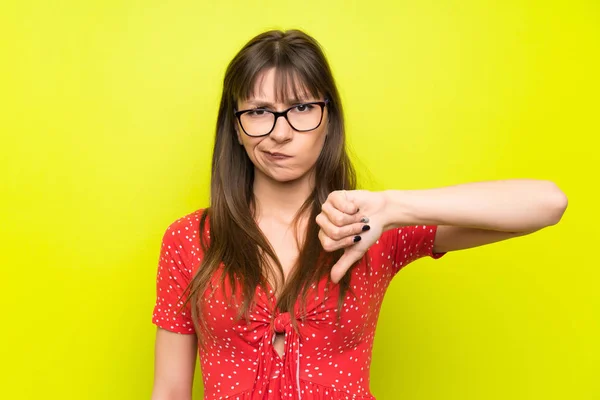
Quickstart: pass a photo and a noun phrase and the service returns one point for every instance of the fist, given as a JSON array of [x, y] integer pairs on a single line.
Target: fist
[[351, 220]]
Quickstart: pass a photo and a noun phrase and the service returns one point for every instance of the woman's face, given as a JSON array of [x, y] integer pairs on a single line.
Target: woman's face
[[301, 149]]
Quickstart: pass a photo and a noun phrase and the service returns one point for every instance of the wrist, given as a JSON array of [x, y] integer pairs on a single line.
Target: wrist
[[395, 209]]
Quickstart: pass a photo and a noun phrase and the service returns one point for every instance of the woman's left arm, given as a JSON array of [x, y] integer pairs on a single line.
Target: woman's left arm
[[478, 213]]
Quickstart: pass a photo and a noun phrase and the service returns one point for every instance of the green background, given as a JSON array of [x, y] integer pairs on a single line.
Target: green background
[[107, 123]]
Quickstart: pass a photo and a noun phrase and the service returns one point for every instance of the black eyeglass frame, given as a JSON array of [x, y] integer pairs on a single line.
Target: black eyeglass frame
[[277, 114]]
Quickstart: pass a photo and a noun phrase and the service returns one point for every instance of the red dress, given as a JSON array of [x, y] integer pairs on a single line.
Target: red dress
[[325, 360]]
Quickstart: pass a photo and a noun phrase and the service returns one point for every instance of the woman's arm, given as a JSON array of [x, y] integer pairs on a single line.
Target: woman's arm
[[475, 214], [174, 365]]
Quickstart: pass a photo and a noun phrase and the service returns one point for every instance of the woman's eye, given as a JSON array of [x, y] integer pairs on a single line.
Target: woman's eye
[[304, 107], [256, 113]]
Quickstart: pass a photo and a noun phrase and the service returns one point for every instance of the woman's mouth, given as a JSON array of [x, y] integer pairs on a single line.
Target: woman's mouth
[[277, 156]]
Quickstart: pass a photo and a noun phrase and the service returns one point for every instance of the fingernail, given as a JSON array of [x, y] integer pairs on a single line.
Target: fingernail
[[364, 220], [366, 228], [357, 239]]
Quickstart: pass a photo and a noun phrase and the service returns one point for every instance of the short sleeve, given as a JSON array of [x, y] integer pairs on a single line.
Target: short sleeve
[[172, 279], [409, 243]]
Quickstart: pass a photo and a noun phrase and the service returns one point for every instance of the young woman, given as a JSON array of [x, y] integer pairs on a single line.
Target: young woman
[[278, 284]]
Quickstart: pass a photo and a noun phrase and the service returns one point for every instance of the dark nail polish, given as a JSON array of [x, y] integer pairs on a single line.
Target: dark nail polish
[[366, 228], [364, 220], [357, 239]]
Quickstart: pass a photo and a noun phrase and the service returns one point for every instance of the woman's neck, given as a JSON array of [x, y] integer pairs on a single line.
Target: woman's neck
[[280, 200]]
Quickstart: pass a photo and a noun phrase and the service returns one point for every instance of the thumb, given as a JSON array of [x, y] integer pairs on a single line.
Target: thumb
[[349, 206], [343, 265]]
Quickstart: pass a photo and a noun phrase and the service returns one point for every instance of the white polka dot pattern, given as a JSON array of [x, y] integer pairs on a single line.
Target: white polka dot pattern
[[325, 359]]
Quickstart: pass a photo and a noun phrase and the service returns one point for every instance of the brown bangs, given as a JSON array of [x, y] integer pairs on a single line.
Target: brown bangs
[[292, 84]]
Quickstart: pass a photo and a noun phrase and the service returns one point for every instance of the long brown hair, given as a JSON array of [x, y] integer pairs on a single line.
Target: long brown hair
[[235, 238]]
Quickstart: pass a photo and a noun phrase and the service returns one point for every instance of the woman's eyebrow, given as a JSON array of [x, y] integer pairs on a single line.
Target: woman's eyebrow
[[266, 104]]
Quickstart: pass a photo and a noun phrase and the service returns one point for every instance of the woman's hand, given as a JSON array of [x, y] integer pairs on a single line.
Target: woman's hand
[[352, 220]]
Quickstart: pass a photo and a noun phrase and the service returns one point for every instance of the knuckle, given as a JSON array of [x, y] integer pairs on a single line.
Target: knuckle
[[319, 218], [336, 232], [328, 244]]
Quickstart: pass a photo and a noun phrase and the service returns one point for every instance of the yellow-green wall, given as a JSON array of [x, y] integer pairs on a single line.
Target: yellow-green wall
[[107, 118]]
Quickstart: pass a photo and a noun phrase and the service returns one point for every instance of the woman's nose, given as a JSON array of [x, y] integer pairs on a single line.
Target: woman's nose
[[282, 131]]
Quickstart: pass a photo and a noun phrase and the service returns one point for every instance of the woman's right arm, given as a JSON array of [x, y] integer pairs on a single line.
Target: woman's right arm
[[174, 365]]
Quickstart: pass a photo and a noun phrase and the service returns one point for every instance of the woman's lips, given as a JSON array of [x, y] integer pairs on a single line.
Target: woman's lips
[[277, 156]]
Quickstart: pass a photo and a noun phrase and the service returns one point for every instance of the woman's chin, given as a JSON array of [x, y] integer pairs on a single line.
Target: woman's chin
[[284, 177]]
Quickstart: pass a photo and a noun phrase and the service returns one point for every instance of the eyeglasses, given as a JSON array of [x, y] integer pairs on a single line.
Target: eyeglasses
[[303, 117]]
